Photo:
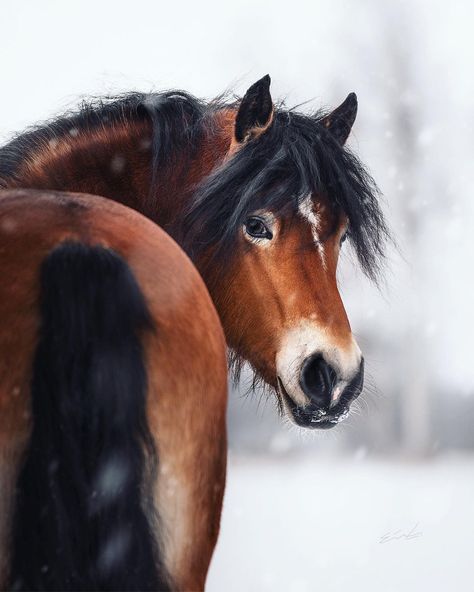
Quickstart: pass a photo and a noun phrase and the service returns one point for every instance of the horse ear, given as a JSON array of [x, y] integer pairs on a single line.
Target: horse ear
[[341, 120], [255, 112]]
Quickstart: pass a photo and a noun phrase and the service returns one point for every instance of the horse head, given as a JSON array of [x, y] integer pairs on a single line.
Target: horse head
[[267, 228]]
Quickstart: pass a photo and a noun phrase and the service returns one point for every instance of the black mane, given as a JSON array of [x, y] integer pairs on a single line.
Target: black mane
[[296, 156], [174, 116]]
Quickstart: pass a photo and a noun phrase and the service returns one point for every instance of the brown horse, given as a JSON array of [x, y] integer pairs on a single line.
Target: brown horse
[[261, 198], [113, 389]]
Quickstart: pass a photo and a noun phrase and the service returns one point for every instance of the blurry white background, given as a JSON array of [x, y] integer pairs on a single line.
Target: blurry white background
[[386, 500]]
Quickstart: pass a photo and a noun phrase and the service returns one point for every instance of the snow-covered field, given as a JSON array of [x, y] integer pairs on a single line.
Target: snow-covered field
[[298, 525]]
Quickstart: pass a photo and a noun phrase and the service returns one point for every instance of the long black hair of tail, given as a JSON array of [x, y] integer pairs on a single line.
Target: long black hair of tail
[[80, 521]]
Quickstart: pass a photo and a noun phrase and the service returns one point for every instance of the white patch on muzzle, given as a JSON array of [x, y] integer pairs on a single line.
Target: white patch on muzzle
[[305, 340]]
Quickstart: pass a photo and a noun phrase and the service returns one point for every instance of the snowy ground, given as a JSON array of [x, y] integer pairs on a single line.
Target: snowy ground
[[365, 525]]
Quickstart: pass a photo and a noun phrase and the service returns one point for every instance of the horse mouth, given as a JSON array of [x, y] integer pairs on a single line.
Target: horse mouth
[[312, 417]]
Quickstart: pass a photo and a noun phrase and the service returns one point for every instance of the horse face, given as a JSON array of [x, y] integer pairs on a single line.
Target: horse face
[[288, 319]]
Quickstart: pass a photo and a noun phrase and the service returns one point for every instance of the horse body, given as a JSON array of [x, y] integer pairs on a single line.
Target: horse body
[[184, 357], [261, 198]]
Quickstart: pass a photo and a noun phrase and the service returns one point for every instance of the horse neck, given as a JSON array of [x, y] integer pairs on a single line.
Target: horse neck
[[106, 162], [117, 164], [179, 182]]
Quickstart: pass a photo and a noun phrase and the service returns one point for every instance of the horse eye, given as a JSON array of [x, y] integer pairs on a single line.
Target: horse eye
[[255, 227], [343, 238]]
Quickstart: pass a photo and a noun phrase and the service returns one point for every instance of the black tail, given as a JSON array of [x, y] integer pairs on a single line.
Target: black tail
[[79, 520]]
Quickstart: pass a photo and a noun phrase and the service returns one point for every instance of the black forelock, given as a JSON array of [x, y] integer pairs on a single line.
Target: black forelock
[[295, 157]]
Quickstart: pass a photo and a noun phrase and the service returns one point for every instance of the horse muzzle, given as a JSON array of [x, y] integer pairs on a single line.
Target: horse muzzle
[[328, 398]]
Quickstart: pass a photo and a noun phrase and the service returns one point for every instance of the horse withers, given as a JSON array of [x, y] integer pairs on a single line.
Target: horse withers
[[112, 395]]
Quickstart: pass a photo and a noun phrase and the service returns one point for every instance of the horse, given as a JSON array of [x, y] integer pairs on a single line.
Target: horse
[[113, 390], [261, 197]]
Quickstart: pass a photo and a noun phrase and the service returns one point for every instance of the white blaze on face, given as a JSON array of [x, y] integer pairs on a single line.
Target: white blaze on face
[[306, 209], [304, 340]]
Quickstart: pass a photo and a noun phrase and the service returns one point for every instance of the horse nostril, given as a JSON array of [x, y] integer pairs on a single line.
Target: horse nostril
[[317, 380]]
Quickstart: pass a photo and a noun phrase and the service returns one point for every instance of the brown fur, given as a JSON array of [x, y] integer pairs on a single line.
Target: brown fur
[[186, 362], [258, 283]]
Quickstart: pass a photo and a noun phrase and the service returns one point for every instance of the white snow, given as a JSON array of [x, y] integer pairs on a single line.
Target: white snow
[[333, 525]]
